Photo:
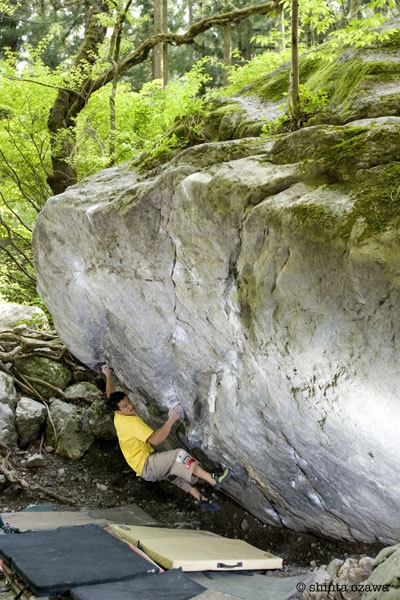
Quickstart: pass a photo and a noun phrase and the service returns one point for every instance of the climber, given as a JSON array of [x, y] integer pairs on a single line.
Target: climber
[[136, 440]]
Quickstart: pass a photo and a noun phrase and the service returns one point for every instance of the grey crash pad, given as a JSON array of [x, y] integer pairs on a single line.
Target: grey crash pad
[[169, 585], [131, 514], [46, 518], [50, 562], [31, 520]]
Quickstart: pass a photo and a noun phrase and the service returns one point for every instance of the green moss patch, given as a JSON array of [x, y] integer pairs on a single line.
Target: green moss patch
[[363, 148], [376, 199]]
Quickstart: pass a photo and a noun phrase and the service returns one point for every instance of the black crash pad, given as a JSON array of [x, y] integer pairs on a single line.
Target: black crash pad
[[53, 561], [170, 585]]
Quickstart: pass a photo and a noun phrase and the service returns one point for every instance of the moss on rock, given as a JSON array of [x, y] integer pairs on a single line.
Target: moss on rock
[[376, 198]]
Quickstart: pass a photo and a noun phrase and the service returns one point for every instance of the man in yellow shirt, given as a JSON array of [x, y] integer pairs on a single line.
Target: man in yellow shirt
[[137, 441]]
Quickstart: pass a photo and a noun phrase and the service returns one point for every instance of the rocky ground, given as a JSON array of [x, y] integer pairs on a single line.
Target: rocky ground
[[101, 479]]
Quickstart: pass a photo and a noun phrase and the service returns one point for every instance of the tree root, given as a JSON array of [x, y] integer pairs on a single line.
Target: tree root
[[23, 342]]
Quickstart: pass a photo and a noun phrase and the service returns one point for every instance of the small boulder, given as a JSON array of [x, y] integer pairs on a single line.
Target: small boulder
[[8, 434], [45, 369], [35, 460], [8, 401], [8, 393], [30, 417], [83, 389], [12, 314], [341, 580], [384, 581], [101, 421], [73, 435]]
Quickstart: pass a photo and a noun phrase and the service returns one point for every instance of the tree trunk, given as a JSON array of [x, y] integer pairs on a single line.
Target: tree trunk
[[355, 10], [190, 23], [282, 28], [227, 51], [165, 45], [113, 57], [69, 103], [160, 56], [294, 100]]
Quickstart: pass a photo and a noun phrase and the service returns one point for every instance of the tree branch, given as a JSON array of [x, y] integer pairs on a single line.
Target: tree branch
[[141, 53]]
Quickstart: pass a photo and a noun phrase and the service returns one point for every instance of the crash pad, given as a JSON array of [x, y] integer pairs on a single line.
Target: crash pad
[[26, 520], [42, 516], [196, 550], [131, 514], [169, 585], [50, 562]]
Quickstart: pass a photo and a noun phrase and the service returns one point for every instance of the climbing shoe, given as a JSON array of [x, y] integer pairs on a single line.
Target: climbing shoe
[[221, 478], [207, 504]]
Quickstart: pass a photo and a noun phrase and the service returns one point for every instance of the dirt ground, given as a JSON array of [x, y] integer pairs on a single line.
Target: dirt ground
[[102, 479]]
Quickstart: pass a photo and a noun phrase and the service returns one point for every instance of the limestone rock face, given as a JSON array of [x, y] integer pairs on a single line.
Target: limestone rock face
[[256, 282]]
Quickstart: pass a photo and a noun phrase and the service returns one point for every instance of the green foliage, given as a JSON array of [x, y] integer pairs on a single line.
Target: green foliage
[[316, 15], [6, 9], [361, 32], [24, 166], [23, 23], [316, 18], [260, 66], [143, 120]]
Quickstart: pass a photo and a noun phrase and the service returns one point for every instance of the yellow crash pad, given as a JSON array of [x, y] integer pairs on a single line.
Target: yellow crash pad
[[196, 550]]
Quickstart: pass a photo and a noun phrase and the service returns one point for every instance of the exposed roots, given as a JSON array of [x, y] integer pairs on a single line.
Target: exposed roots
[[24, 342]]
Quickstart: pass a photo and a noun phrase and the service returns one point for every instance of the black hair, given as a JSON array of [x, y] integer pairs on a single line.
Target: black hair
[[114, 399]]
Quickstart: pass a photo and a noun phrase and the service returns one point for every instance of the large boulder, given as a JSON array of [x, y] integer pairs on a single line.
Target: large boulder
[[256, 282], [264, 298]]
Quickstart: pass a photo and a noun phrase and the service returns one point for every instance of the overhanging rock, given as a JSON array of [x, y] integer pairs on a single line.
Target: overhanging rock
[[250, 282]]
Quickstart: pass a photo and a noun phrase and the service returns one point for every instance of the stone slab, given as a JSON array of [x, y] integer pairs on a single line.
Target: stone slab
[[247, 586]]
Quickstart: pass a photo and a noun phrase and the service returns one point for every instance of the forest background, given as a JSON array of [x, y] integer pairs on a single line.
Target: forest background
[[88, 84]]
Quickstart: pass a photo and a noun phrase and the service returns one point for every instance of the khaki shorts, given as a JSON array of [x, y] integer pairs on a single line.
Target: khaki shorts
[[173, 463]]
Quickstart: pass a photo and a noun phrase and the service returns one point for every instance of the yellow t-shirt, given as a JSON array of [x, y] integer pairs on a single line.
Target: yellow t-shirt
[[132, 434]]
